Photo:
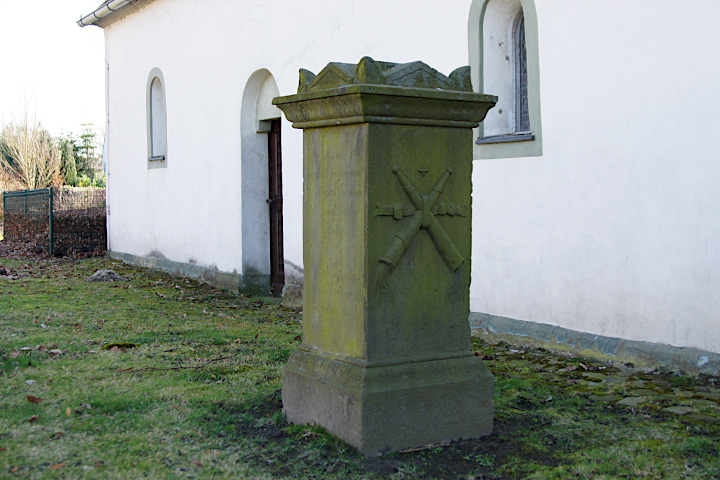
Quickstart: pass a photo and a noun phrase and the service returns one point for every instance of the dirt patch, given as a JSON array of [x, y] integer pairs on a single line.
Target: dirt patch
[[16, 250], [457, 460], [21, 251]]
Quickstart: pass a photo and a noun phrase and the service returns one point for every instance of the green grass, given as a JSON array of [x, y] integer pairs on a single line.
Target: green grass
[[192, 391]]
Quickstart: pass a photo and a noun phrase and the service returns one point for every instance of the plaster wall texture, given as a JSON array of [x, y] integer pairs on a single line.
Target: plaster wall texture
[[614, 230], [192, 210]]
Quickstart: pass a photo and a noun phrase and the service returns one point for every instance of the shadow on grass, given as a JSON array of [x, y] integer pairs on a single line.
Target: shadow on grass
[[302, 451]]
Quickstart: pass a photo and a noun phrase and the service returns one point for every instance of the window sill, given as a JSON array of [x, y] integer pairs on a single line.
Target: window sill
[[159, 158], [506, 138]]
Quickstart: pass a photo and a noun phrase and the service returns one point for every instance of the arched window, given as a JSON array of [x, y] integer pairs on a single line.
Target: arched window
[[521, 111], [156, 120], [504, 62]]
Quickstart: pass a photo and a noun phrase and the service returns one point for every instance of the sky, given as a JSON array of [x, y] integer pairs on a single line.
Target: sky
[[50, 65]]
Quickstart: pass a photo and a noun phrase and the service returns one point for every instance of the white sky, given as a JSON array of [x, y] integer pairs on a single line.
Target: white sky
[[52, 65]]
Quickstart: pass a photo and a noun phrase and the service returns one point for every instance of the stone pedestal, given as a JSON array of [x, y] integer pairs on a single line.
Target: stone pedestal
[[386, 362]]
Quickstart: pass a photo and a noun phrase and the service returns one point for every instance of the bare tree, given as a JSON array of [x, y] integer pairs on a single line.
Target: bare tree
[[29, 153]]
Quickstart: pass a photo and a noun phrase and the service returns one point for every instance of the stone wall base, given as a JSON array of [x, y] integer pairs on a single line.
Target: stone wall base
[[383, 409], [646, 354], [248, 284]]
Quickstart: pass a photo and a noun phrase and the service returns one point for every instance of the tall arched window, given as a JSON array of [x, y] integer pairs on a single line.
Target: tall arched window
[[521, 111], [156, 120], [504, 62]]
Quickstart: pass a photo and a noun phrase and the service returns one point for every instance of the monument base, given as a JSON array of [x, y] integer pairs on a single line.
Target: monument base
[[381, 409]]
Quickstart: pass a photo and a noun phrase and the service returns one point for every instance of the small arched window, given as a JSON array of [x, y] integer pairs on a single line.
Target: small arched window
[[156, 119]]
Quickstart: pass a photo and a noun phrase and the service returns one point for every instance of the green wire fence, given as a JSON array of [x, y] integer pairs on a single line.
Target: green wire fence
[[56, 220]]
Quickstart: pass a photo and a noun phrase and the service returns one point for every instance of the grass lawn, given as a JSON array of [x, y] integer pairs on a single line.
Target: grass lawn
[[162, 377]]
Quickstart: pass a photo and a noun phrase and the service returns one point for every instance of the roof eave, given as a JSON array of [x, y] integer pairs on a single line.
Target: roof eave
[[111, 11]]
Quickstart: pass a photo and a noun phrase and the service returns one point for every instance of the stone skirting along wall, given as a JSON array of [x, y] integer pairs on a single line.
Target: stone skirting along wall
[[691, 360], [255, 284]]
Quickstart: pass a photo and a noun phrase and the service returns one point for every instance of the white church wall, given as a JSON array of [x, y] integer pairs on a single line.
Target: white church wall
[[190, 211], [614, 230]]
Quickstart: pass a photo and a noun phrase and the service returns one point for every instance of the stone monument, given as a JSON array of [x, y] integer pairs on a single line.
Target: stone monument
[[385, 362]]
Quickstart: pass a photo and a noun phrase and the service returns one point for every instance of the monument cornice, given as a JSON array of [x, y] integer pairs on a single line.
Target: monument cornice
[[369, 103]]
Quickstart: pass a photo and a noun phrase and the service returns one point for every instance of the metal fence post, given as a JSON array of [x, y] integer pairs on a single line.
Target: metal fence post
[[50, 216]]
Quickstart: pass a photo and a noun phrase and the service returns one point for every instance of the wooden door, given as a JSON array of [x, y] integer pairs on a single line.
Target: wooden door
[[275, 201]]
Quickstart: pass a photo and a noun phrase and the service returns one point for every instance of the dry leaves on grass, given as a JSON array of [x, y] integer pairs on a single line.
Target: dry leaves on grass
[[33, 399]]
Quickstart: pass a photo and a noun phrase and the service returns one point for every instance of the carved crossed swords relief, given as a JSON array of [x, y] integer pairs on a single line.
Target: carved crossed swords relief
[[423, 211]]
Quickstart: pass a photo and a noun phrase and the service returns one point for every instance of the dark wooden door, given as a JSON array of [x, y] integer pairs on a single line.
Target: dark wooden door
[[275, 200]]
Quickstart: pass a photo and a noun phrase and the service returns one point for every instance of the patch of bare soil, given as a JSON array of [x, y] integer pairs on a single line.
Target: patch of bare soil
[[21, 251], [457, 460], [31, 251]]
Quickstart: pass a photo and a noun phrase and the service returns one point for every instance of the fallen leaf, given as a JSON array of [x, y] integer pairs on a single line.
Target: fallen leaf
[[298, 338], [583, 365], [197, 462], [55, 351], [24, 349], [3, 449], [33, 399], [114, 349], [57, 466], [128, 369], [68, 411], [14, 354], [33, 418], [14, 470]]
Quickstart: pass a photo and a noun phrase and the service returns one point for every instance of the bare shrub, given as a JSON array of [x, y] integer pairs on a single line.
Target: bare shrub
[[29, 154]]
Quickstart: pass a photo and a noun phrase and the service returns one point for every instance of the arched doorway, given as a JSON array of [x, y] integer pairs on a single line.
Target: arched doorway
[[262, 227]]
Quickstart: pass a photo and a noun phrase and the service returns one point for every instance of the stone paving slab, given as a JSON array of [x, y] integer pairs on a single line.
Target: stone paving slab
[[694, 398]]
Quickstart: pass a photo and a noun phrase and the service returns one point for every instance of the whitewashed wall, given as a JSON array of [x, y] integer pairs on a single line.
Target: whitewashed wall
[[191, 210], [614, 230]]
